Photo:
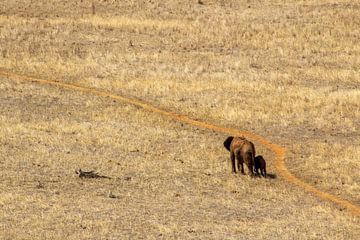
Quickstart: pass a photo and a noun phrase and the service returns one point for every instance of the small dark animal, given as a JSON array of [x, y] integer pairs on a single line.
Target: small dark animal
[[260, 163], [243, 150]]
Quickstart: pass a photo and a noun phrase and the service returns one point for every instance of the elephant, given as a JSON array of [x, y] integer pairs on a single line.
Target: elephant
[[260, 163], [243, 150]]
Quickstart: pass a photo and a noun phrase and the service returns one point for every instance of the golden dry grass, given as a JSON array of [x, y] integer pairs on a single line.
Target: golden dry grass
[[287, 71]]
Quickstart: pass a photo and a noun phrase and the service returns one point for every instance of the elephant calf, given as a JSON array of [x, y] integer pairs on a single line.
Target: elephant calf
[[241, 150], [260, 163]]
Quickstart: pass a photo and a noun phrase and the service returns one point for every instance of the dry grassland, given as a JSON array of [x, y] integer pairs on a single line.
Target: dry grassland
[[286, 70]]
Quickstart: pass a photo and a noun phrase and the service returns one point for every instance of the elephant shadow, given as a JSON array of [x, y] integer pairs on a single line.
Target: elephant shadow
[[268, 176], [271, 176]]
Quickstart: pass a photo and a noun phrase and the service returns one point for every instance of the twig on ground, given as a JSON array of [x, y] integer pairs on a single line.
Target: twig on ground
[[90, 174]]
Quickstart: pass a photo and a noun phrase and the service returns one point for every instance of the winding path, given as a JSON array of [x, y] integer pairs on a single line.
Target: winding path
[[278, 150]]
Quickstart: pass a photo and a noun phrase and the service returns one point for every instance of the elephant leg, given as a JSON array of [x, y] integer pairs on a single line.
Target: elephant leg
[[250, 163], [240, 162], [232, 157], [242, 166], [250, 167]]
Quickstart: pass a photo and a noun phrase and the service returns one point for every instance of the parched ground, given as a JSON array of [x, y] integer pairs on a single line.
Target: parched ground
[[286, 71], [167, 180]]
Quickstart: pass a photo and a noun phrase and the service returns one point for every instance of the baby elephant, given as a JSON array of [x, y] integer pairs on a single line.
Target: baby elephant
[[259, 163], [241, 150]]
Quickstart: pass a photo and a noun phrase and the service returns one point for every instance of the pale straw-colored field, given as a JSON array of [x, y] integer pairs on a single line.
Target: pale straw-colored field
[[288, 71]]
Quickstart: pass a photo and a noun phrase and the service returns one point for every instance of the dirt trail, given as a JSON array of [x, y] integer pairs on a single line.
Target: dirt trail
[[278, 150]]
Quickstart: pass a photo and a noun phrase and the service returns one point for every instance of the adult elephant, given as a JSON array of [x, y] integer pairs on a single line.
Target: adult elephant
[[241, 150]]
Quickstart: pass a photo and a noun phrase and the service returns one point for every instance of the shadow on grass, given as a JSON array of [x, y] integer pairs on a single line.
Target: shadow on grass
[[268, 176], [271, 175]]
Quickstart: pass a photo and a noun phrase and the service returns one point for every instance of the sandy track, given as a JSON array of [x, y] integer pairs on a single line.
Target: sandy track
[[278, 150]]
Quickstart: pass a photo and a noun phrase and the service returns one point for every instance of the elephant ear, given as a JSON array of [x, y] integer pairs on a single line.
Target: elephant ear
[[227, 142]]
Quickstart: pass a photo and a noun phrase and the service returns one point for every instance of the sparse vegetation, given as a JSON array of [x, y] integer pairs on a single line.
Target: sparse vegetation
[[288, 71]]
